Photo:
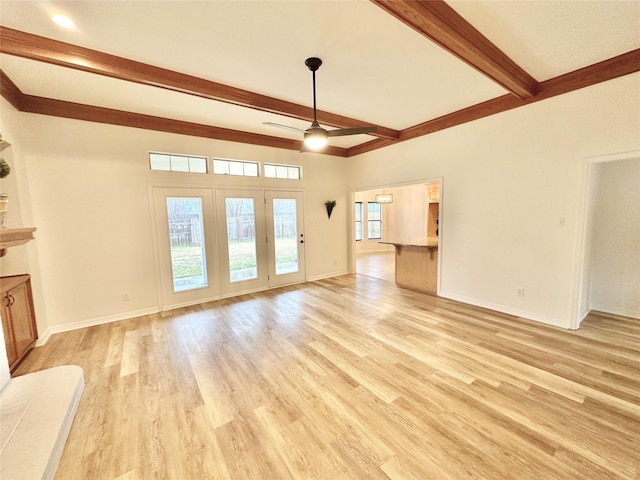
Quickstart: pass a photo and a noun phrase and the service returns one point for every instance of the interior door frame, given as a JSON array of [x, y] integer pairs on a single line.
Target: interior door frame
[[441, 224], [580, 298]]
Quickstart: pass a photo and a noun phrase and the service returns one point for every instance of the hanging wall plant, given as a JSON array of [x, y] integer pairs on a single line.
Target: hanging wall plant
[[330, 204], [5, 169]]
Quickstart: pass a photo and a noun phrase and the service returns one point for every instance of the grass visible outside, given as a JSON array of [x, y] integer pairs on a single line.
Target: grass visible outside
[[187, 261], [286, 250]]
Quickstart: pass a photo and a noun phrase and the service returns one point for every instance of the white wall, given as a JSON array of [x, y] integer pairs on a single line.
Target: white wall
[[89, 193], [509, 180], [406, 217], [615, 252]]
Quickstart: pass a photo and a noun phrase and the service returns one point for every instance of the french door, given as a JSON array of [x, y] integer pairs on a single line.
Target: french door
[[243, 250], [285, 237], [185, 233], [250, 240], [261, 238]]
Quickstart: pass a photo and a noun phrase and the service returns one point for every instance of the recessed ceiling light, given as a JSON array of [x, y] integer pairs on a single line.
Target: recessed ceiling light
[[63, 21]]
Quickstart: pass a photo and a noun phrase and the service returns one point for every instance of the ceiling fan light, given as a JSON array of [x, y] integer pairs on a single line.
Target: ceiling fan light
[[63, 21], [315, 139]]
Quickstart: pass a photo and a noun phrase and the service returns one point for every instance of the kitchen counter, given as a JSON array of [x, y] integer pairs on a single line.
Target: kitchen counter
[[416, 263]]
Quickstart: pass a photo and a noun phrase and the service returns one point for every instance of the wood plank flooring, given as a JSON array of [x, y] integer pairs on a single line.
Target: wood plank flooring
[[380, 265], [350, 378]]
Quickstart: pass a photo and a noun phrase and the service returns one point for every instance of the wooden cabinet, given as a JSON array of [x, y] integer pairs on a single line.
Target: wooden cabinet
[[433, 220], [18, 318]]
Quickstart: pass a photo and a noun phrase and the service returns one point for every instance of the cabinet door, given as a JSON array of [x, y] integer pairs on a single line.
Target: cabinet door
[[22, 318], [12, 354]]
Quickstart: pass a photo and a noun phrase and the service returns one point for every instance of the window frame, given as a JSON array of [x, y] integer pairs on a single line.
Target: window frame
[[378, 221], [281, 165], [359, 222], [188, 159], [229, 161]]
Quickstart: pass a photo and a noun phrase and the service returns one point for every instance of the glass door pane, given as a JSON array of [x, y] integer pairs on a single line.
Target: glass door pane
[[243, 251], [186, 238], [241, 239], [186, 246], [285, 235]]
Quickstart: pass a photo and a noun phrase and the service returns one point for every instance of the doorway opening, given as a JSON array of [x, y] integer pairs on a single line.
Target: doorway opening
[[608, 268], [408, 215]]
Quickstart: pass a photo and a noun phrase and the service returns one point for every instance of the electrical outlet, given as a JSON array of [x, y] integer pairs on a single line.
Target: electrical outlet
[[520, 291], [125, 297]]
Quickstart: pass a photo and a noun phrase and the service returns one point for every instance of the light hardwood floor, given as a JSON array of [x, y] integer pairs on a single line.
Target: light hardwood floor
[[380, 265], [350, 378]]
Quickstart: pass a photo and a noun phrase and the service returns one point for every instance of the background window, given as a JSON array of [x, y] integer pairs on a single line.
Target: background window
[[358, 221], [374, 221]]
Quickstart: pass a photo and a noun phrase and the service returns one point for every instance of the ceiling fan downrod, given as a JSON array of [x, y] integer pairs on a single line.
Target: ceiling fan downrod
[[315, 137], [313, 64]]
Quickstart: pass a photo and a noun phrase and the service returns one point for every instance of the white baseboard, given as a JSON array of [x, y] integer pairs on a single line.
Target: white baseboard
[[66, 327], [613, 310], [166, 308], [43, 338], [581, 316], [556, 322], [327, 275]]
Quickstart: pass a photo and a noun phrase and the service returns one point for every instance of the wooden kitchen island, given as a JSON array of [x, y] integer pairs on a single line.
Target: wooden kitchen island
[[417, 264]]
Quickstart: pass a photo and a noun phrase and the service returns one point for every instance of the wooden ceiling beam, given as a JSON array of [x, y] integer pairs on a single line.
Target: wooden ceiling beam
[[10, 91], [60, 108], [90, 113], [615, 67], [34, 47], [443, 25]]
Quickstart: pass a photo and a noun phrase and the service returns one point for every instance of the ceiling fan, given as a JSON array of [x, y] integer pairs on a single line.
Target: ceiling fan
[[315, 137]]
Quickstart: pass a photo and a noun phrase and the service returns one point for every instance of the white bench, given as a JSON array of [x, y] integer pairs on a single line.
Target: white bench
[[37, 413]]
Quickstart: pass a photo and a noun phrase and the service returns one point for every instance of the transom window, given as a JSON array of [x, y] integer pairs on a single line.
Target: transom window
[[291, 172], [171, 162], [235, 167]]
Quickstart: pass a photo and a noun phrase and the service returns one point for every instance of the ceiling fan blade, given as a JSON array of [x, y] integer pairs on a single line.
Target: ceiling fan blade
[[286, 127], [341, 132]]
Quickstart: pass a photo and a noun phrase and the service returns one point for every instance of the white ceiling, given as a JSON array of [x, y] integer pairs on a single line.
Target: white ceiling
[[376, 69]]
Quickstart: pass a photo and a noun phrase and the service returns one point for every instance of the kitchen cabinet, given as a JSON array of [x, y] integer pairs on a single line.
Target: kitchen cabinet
[[18, 318], [417, 264]]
